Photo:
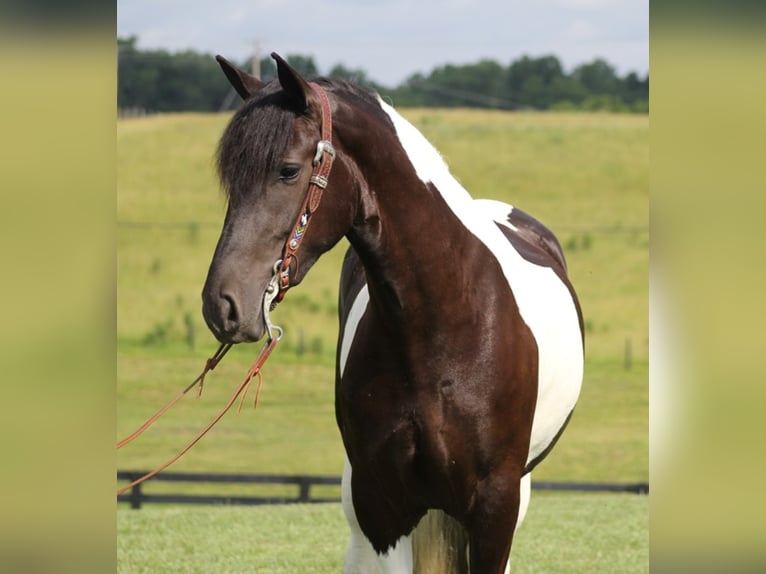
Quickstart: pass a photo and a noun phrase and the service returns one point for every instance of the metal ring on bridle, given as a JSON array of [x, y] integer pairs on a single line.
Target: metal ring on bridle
[[322, 147], [272, 290]]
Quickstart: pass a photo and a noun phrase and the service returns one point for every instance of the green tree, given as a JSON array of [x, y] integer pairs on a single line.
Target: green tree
[[530, 81], [158, 81], [597, 77], [567, 89], [410, 93], [304, 65], [473, 85], [356, 76], [634, 89]]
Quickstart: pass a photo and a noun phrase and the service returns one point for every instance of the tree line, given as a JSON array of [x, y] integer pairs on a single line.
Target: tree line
[[160, 81]]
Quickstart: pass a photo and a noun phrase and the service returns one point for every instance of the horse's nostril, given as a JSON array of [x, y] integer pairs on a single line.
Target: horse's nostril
[[229, 312]]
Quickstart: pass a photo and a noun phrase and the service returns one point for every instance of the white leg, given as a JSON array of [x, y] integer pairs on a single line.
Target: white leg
[[361, 558], [525, 491], [398, 560]]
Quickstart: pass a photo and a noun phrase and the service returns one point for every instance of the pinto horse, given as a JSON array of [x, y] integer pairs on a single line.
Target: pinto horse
[[460, 353]]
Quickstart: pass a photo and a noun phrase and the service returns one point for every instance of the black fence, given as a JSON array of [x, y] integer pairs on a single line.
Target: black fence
[[137, 496]]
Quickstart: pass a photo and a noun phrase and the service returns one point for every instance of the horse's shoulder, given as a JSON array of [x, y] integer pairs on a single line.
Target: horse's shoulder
[[533, 240]]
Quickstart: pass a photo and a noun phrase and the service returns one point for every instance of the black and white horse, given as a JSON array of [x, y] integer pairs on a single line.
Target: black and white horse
[[460, 357]]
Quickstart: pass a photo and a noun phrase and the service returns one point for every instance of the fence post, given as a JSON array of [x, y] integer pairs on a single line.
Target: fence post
[[305, 486], [135, 496]]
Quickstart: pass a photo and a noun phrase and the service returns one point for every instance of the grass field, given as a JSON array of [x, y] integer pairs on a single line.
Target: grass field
[[576, 534], [585, 175]]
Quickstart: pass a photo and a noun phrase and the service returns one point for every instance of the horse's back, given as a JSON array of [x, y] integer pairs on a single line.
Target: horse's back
[[535, 241], [527, 228]]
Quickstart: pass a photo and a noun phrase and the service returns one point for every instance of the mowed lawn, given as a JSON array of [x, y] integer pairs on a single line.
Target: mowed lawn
[[570, 533], [585, 175]]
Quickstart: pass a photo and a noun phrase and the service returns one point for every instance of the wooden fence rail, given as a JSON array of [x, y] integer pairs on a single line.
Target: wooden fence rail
[[137, 496]]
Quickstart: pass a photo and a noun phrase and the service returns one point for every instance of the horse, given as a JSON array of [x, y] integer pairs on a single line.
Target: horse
[[460, 349]]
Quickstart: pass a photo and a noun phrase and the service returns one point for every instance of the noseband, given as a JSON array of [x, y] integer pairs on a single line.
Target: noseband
[[325, 154]]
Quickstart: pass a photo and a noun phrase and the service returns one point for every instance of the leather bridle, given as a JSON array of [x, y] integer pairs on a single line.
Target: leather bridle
[[323, 160]]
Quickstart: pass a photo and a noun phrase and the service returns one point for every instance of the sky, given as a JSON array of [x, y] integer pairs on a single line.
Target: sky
[[393, 39]]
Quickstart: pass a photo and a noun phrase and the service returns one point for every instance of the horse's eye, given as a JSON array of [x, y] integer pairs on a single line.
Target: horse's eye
[[289, 172]]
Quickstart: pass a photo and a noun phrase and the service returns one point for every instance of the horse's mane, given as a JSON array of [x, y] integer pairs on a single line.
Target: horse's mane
[[259, 133]]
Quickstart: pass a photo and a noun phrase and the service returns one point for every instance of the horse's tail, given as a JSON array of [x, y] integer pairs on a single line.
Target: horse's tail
[[439, 545]]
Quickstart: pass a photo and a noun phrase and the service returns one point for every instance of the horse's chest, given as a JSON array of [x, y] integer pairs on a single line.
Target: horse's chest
[[394, 426]]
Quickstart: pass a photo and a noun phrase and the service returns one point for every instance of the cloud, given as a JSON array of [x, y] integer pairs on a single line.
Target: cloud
[[582, 30], [588, 4]]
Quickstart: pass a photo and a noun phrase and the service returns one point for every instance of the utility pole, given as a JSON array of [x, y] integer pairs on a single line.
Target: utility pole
[[255, 70], [256, 59]]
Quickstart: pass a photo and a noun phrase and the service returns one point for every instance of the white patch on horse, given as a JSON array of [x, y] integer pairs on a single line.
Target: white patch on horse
[[361, 557], [358, 307], [497, 209], [544, 302]]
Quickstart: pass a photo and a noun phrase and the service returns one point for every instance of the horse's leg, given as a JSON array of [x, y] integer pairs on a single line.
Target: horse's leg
[[525, 490], [361, 558], [398, 560], [492, 523]]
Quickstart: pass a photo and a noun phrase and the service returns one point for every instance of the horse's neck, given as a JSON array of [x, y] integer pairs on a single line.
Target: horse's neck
[[417, 253]]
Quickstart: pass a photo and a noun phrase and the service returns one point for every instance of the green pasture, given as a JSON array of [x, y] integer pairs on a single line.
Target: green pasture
[[585, 175], [572, 533]]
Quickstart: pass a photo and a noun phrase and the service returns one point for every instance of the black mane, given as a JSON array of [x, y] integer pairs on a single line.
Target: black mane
[[260, 131], [254, 140]]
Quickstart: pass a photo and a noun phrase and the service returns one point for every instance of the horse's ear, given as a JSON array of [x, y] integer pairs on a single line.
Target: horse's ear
[[245, 84], [293, 83]]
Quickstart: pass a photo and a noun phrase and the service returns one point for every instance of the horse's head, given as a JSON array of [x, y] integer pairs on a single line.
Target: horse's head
[[266, 158]]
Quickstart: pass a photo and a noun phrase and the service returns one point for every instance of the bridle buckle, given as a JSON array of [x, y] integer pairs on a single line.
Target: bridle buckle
[[323, 147]]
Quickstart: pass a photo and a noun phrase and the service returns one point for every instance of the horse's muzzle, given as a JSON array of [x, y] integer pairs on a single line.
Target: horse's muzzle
[[228, 318]]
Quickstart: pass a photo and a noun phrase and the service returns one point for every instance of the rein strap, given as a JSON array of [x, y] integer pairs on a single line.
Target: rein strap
[[255, 370], [210, 364]]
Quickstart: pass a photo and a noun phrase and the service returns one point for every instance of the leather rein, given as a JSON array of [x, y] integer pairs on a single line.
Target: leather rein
[[275, 292]]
